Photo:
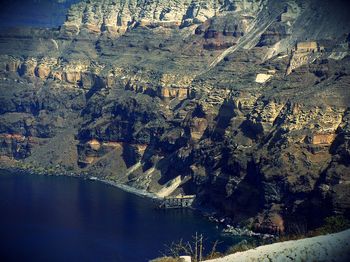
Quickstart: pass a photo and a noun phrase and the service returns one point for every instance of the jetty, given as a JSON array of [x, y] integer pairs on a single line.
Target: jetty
[[180, 201]]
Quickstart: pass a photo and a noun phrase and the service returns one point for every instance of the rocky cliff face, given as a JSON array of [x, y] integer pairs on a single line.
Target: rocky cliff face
[[114, 18], [243, 103]]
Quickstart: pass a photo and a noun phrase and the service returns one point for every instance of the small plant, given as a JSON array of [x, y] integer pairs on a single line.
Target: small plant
[[194, 249]]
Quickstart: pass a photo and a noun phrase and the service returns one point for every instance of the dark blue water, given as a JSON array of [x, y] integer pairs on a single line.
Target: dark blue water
[[46, 218], [35, 13]]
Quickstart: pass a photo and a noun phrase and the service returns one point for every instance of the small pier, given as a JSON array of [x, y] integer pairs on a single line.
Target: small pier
[[181, 201]]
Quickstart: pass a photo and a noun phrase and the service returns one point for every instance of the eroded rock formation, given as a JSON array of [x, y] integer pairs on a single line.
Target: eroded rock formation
[[243, 103]]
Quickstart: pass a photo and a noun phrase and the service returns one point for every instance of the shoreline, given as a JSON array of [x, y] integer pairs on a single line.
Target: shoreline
[[211, 215], [126, 188]]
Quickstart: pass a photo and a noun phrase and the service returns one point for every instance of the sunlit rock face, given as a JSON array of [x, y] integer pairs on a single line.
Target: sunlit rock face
[[244, 103], [114, 18]]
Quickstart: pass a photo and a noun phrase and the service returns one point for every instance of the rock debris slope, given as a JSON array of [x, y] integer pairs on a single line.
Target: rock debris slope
[[243, 103]]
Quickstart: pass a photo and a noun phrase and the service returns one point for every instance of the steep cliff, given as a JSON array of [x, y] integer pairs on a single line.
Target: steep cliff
[[243, 103]]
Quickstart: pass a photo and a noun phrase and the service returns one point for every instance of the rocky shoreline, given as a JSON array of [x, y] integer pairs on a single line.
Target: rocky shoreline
[[126, 188]]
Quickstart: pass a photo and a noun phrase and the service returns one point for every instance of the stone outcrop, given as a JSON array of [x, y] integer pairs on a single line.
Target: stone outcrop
[[11, 64], [304, 53], [322, 139], [198, 127], [28, 67], [15, 145], [263, 77]]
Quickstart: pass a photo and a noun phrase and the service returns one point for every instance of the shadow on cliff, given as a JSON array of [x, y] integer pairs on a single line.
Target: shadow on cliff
[[98, 85], [171, 167], [223, 120], [130, 155], [242, 197], [250, 130]]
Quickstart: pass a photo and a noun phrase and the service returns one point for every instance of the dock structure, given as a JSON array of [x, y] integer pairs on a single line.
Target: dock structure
[[181, 201]]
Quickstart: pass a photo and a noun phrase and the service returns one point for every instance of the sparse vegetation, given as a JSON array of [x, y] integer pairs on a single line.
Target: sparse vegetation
[[333, 224], [194, 248]]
